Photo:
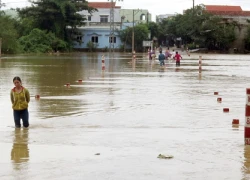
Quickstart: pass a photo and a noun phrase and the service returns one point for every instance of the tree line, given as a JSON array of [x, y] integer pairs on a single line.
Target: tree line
[[51, 25], [46, 26], [195, 28]]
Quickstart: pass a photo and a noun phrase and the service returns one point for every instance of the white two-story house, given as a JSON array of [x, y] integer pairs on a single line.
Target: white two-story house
[[97, 28]]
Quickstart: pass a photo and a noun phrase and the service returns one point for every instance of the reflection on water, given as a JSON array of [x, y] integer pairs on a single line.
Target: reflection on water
[[20, 150], [246, 167]]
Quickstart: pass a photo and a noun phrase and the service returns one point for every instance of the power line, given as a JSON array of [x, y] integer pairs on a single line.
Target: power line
[[112, 25]]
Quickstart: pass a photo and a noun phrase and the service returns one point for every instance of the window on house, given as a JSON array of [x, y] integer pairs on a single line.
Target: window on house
[[94, 39], [89, 17], [112, 39], [143, 17], [104, 19], [79, 38]]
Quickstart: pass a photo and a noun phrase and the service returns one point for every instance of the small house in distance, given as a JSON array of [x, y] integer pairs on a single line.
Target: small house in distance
[[97, 29], [233, 14]]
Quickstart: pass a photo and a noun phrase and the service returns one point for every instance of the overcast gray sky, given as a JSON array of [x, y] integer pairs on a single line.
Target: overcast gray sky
[[155, 7]]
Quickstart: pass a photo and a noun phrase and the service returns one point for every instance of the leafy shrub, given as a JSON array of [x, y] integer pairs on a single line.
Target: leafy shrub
[[92, 46], [39, 41], [191, 46]]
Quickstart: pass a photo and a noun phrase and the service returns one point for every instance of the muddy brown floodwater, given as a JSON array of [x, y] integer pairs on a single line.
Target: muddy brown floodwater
[[114, 124]]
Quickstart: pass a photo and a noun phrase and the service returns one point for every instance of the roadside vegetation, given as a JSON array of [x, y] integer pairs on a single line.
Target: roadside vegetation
[[195, 28], [51, 26], [46, 26]]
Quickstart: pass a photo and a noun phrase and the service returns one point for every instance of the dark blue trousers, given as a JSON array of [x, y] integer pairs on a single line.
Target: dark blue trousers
[[21, 114], [162, 62]]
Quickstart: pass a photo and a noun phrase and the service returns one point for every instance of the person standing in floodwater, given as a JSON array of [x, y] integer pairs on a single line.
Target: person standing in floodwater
[[20, 98], [177, 58], [167, 54], [161, 58]]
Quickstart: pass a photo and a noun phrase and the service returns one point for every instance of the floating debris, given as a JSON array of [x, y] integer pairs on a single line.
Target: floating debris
[[162, 156], [97, 154]]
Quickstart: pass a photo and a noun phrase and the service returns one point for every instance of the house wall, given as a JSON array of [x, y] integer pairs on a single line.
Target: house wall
[[95, 17], [103, 38], [159, 18], [128, 14], [102, 30], [240, 30]]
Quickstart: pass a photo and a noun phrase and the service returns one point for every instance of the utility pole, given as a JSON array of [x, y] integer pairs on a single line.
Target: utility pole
[[0, 37], [193, 7], [133, 30], [112, 25], [0, 47]]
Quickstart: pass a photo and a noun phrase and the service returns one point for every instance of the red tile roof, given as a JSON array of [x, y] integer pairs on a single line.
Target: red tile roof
[[222, 8], [226, 10], [231, 13], [103, 5]]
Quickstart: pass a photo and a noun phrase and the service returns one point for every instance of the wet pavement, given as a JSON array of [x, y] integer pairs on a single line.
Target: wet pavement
[[114, 123]]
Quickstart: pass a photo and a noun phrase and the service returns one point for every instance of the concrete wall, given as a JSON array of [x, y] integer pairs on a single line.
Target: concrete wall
[[102, 30], [95, 17], [128, 14], [103, 37], [240, 30]]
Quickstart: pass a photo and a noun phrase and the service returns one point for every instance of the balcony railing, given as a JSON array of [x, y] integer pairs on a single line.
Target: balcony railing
[[102, 23]]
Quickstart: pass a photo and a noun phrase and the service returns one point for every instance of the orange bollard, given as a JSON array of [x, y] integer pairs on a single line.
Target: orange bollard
[[200, 69], [236, 122], [225, 109], [219, 99], [247, 114], [134, 56], [103, 62], [200, 64]]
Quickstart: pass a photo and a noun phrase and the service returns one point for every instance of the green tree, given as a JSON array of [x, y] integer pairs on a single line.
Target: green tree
[[56, 15], [9, 34], [153, 29], [198, 27], [39, 41], [141, 34], [247, 39]]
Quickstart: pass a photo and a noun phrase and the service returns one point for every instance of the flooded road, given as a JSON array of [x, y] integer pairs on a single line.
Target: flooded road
[[114, 123]]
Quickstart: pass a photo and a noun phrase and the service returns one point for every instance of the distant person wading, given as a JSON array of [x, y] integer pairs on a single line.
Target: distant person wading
[[161, 58], [177, 58], [20, 99]]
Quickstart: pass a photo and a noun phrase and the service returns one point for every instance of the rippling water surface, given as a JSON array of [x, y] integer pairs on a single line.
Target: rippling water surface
[[129, 113]]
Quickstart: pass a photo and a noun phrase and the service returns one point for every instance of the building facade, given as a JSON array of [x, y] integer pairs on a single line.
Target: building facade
[[233, 14], [97, 28], [160, 17], [135, 15]]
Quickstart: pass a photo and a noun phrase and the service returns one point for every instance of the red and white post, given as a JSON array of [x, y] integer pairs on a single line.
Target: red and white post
[[149, 53], [247, 114], [200, 64], [103, 62], [187, 52], [134, 56]]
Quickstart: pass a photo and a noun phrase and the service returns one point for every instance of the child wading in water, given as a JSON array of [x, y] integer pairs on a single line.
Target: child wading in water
[[20, 97], [161, 58], [177, 58]]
